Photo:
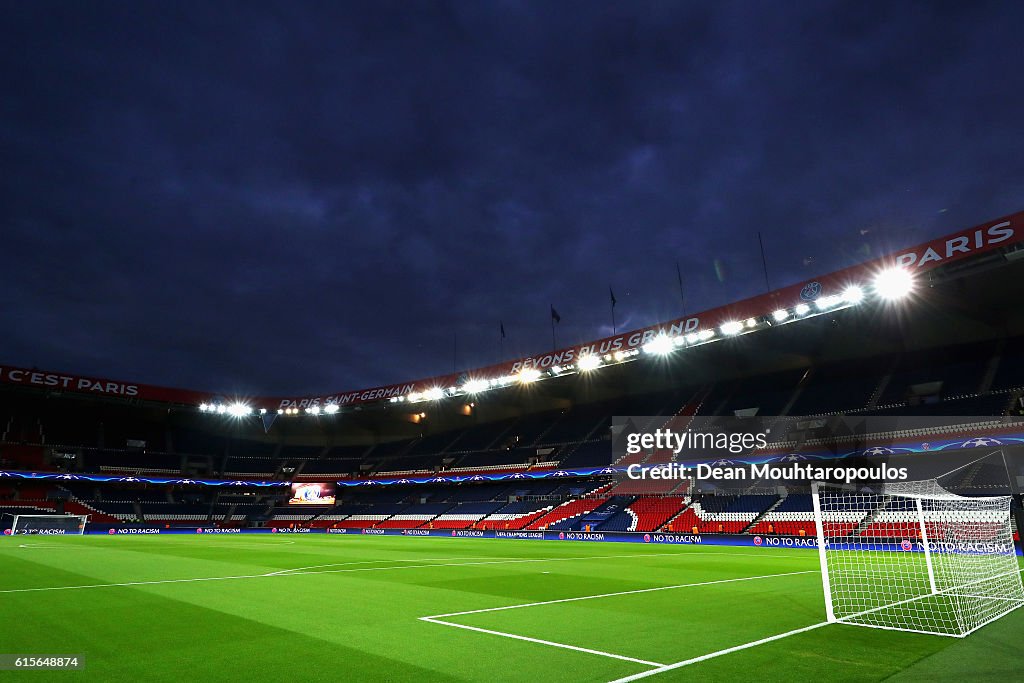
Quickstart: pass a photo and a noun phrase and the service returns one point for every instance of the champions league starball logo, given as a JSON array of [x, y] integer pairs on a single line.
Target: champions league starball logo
[[810, 291]]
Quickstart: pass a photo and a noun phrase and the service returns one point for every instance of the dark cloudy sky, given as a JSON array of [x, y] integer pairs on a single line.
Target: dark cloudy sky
[[305, 197]]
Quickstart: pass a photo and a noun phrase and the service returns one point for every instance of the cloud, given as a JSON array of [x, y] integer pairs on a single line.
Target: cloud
[[319, 197]]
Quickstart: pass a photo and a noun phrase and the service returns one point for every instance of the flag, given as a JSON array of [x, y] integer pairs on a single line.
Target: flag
[[612, 295], [501, 326], [554, 315]]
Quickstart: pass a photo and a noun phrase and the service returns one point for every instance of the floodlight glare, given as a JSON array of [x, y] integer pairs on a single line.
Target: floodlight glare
[[313, 410], [434, 394], [331, 408], [751, 322], [475, 386], [556, 369], [894, 283], [802, 309], [619, 355], [780, 315], [204, 407], [853, 294], [704, 335], [660, 345], [731, 327], [826, 302], [589, 362], [238, 410], [528, 375]]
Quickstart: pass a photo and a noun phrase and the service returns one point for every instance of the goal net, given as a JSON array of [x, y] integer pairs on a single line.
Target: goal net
[[49, 525], [915, 557]]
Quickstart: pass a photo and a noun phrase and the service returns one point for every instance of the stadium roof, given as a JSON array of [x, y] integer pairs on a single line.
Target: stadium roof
[[815, 304]]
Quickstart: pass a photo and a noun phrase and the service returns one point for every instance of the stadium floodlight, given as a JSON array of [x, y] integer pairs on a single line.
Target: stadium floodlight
[[220, 409], [692, 338], [780, 315], [824, 303], [751, 322], [732, 327], [313, 410], [853, 294], [238, 409], [679, 341], [556, 369], [894, 283], [527, 375], [280, 411], [331, 408], [661, 345], [434, 394], [475, 386], [619, 356], [204, 407], [705, 335], [801, 309], [916, 557], [589, 362], [414, 396]]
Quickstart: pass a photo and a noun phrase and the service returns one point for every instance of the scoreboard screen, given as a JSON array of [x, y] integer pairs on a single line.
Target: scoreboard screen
[[312, 494]]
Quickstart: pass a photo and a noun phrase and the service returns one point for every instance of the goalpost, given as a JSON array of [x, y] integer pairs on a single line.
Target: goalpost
[[49, 525], [916, 557]]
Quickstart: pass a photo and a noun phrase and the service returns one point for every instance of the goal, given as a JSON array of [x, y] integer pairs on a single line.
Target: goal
[[915, 557], [49, 525]]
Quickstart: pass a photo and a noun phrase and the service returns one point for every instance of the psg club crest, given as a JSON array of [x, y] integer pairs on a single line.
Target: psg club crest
[[112, 532], [758, 540], [7, 532], [561, 535], [906, 545], [810, 291], [647, 538]]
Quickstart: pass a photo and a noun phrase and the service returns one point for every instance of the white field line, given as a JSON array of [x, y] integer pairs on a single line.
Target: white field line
[[345, 564], [437, 618], [737, 648], [551, 643], [632, 592], [712, 655], [326, 571], [515, 559]]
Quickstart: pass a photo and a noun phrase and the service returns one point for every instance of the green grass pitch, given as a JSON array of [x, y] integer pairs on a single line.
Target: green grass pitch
[[295, 608]]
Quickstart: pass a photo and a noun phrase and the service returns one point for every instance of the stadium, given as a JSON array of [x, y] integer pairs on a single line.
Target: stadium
[[508, 522]]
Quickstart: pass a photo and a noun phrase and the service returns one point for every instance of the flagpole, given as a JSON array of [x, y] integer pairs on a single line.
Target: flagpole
[[611, 298], [764, 263], [682, 294], [554, 342]]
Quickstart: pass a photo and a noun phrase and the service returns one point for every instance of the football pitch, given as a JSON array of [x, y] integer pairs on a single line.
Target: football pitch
[[358, 608]]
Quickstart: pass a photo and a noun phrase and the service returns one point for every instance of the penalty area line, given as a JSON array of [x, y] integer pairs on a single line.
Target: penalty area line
[[438, 619], [719, 653], [551, 643]]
